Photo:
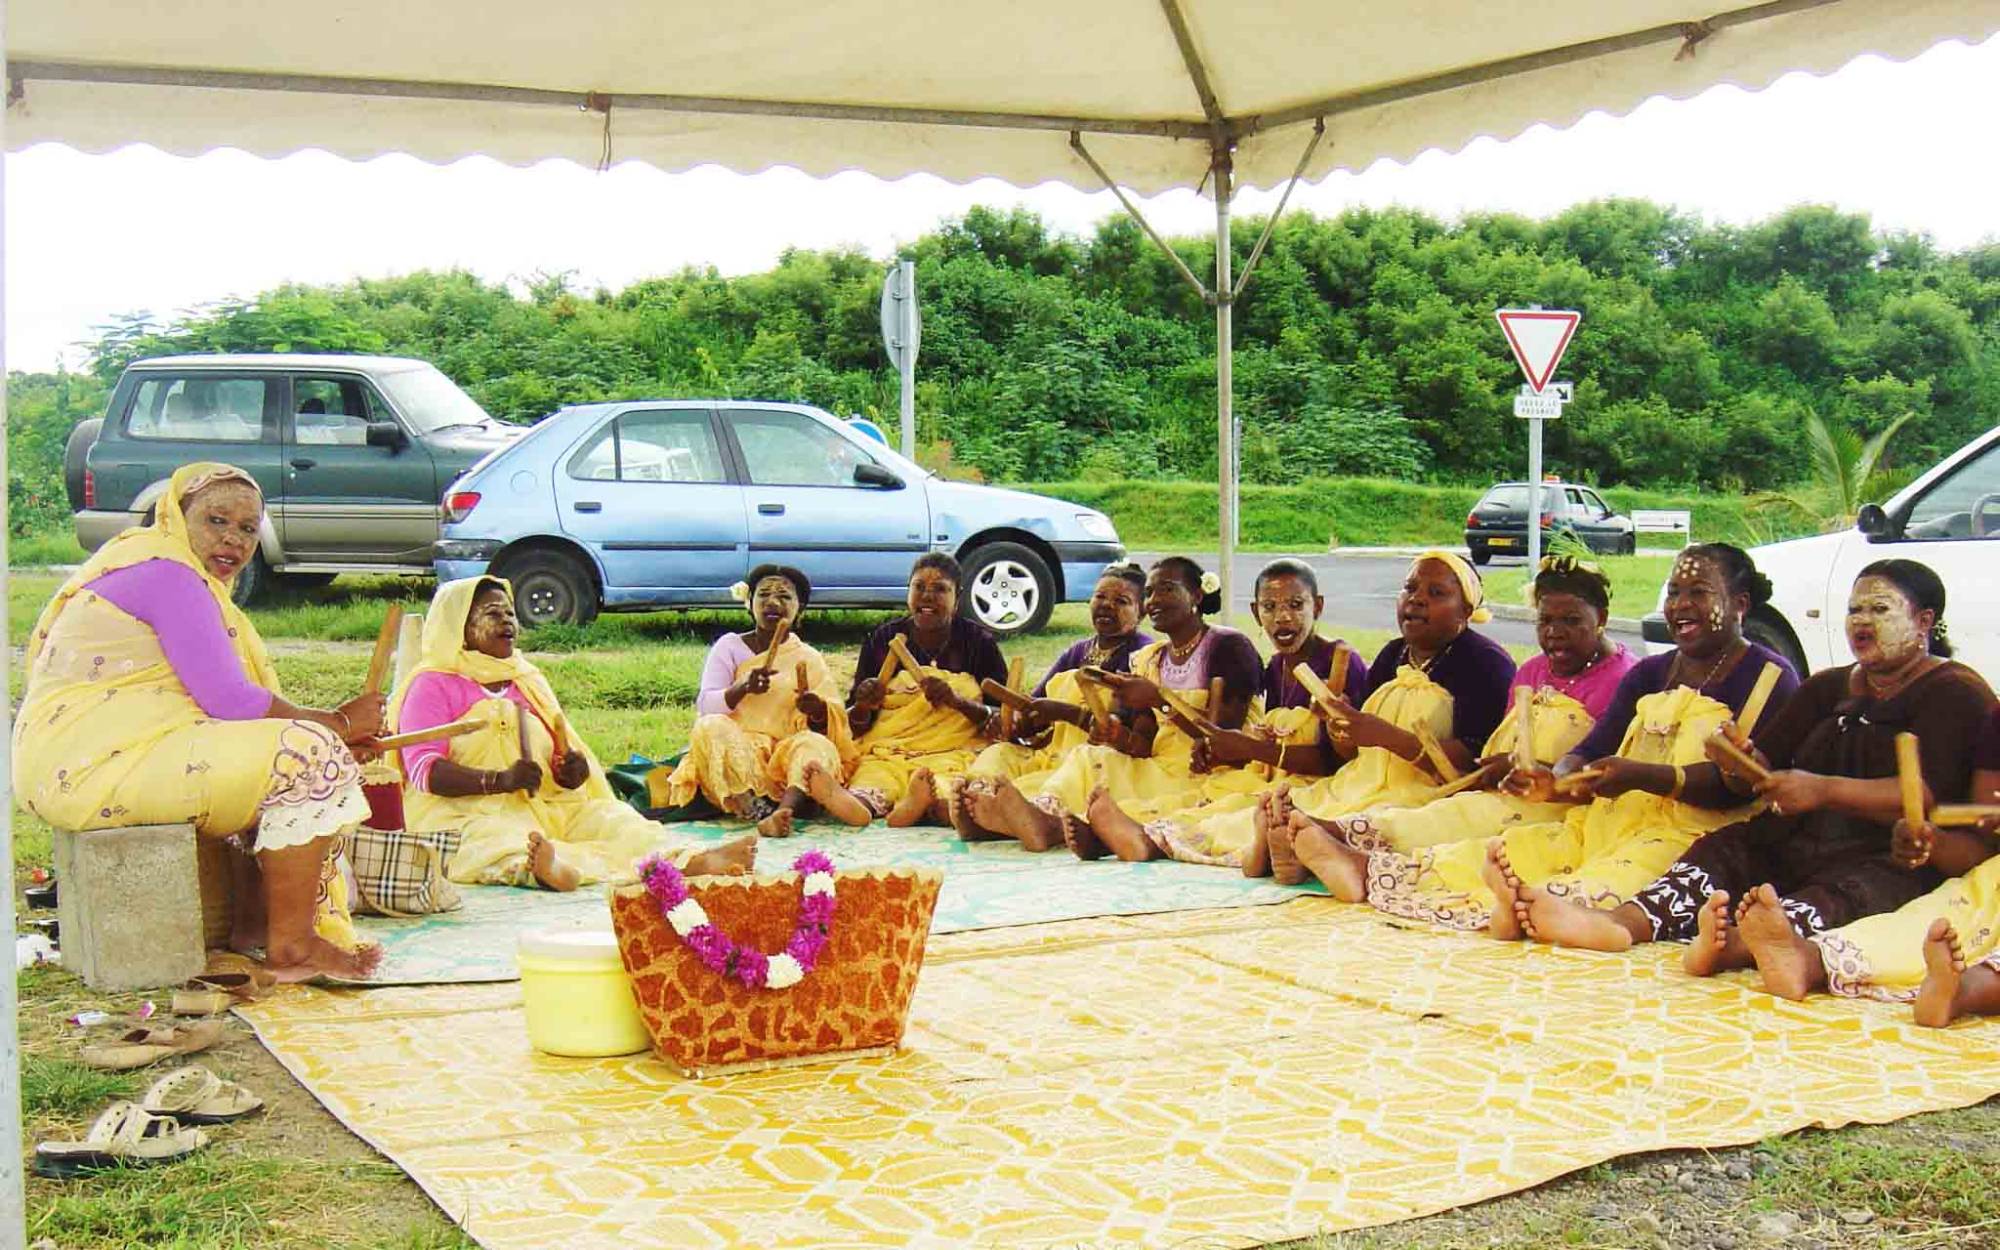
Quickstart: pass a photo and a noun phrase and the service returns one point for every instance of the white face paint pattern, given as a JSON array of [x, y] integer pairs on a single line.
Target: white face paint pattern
[[1880, 608]]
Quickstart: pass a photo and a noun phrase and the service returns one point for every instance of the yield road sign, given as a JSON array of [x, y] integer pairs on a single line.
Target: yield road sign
[[1538, 338]]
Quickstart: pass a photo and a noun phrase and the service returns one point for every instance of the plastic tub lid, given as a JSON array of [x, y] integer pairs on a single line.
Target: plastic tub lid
[[570, 945]]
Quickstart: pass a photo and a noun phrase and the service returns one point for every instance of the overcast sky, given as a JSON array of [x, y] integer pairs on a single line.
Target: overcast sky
[[88, 237]]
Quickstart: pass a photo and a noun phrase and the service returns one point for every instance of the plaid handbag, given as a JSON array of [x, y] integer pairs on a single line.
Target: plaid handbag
[[400, 872]]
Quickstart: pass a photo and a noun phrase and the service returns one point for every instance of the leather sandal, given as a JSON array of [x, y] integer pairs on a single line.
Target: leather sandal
[[124, 1136], [150, 1045], [215, 992], [194, 1095]]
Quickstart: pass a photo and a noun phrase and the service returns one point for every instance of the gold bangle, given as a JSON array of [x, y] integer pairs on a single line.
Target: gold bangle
[[1680, 780]]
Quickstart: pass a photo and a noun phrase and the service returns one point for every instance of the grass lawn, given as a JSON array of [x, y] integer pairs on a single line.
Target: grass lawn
[[1635, 582], [293, 1177]]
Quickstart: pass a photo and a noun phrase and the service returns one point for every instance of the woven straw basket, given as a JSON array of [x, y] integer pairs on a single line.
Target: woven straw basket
[[855, 1002]]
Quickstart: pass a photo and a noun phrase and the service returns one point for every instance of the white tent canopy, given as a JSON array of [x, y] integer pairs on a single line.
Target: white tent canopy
[[955, 89]]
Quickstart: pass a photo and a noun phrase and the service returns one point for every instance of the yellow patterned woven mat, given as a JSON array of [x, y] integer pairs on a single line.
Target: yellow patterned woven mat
[[1219, 1078]]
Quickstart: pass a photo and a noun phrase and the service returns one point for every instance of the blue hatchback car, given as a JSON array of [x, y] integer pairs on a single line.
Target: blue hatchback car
[[667, 503]]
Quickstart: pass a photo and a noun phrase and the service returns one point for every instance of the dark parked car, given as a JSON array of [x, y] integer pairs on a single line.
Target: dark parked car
[[1499, 521], [353, 453]]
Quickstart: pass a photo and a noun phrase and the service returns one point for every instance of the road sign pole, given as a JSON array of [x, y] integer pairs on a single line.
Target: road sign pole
[[906, 280], [1534, 495]]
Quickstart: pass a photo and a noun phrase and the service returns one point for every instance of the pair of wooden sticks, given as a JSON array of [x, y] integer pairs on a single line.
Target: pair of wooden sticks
[[378, 673], [1328, 705]]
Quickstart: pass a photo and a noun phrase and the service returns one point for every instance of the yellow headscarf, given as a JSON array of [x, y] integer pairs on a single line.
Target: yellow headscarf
[[444, 651], [166, 538], [1468, 582]]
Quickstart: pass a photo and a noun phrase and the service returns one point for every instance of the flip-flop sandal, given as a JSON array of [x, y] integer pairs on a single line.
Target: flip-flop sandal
[[143, 1046], [194, 1095], [124, 1136], [215, 992]]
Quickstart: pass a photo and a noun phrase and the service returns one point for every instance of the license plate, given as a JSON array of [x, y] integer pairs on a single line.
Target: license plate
[[1500, 542]]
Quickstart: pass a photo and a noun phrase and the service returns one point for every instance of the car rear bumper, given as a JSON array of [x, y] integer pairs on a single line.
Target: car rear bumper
[[1653, 630], [95, 527]]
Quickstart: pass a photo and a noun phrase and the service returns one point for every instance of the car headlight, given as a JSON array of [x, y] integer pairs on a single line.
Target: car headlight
[[1097, 525]]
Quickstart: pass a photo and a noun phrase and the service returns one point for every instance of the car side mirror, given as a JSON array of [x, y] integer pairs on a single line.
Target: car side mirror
[[876, 475], [387, 434], [1874, 522]]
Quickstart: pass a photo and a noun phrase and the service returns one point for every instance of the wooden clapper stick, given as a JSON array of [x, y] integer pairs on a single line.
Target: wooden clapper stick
[[1522, 756], [778, 636], [385, 650], [1962, 815], [1325, 702], [1727, 753], [1910, 778], [899, 651], [1092, 685], [451, 729], [1016, 669]]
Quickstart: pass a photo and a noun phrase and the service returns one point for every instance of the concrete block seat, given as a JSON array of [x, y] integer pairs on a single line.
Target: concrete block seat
[[130, 906]]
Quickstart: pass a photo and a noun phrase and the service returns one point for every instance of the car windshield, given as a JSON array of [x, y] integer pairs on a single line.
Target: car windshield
[[1514, 495], [431, 401]]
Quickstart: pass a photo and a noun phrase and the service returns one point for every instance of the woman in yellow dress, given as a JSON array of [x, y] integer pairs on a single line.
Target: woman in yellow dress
[[921, 729], [527, 796], [150, 700], [1058, 722], [1570, 684], [1618, 832], [1282, 743], [1440, 680], [768, 738], [1136, 753]]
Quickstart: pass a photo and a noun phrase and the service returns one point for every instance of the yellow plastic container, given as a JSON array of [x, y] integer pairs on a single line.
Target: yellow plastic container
[[578, 999]]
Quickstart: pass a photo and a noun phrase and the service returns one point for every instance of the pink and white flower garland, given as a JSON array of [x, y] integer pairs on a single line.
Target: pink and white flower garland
[[721, 953]]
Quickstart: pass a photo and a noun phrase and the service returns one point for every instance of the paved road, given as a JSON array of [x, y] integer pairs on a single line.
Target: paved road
[[1361, 590]]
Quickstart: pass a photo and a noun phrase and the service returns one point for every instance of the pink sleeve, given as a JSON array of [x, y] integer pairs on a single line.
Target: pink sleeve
[[171, 599], [434, 699], [718, 673]]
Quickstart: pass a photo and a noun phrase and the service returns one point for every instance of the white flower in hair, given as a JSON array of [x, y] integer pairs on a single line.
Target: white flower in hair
[[1210, 583], [740, 592]]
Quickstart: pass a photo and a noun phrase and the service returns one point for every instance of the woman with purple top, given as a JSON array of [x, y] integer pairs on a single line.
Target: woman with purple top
[[151, 700], [1058, 722]]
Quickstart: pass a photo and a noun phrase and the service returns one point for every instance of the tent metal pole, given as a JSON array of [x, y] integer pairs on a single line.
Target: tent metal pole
[[1132, 211], [1271, 223], [13, 1197], [1225, 405]]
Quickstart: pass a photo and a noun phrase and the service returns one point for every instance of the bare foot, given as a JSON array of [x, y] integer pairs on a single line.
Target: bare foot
[[1083, 841], [740, 805], [1006, 810], [1559, 922], [916, 802], [1717, 945], [835, 799], [1499, 875], [317, 957], [777, 825], [1944, 967], [1256, 860], [730, 858], [959, 811], [550, 871], [1790, 965], [1341, 867], [1280, 832], [1124, 835]]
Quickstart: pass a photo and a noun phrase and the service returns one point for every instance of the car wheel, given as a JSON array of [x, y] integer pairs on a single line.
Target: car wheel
[[1630, 546], [254, 584], [1480, 555], [1008, 589], [74, 451], [1761, 628], [550, 588]]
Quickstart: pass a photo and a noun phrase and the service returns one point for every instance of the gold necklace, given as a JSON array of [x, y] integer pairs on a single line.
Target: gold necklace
[[1728, 653], [1180, 654]]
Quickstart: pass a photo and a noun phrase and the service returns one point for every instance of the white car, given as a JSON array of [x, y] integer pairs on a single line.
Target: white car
[[1948, 519]]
